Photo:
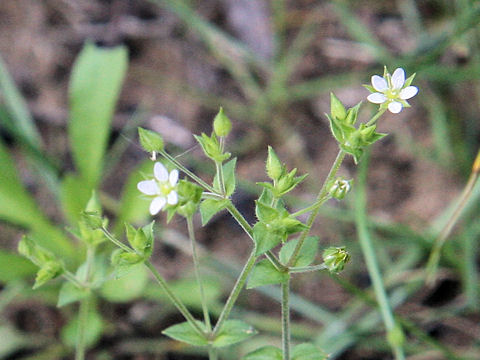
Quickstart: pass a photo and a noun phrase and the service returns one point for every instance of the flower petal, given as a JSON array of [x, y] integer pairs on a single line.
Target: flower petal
[[379, 83], [173, 177], [408, 92], [157, 204], [160, 172], [398, 78], [172, 198], [377, 98], [148, 187], [395, 107]]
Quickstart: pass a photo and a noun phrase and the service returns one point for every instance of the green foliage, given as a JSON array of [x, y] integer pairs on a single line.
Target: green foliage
[[141, 239], [308, 351], [232, 332], [306, 254], [210, 207], [150, 141], [94, 329], [221, 124], [126, 288], [184, 332], [335, 258], [229, 178], [265, 353], [70, 293], [211, 147], [189, 197], [14, 267], [265, 273]]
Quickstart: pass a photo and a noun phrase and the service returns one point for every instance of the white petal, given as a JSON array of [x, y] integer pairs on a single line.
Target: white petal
[[157, 204], [408, 92], [160, 172], [395, 107], [398, 78], [172, 198], [379, 83], [148, 187], [377, 98], [173, 177]]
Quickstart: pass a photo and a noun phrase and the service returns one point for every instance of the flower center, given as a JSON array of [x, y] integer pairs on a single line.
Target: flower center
[[165, 188]]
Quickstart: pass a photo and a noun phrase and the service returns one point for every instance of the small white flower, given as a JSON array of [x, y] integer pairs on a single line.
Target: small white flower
[[162, 188], [392, 91]]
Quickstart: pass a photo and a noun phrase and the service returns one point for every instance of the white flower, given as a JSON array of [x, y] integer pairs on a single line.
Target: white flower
[[392, 90], [162, 188]]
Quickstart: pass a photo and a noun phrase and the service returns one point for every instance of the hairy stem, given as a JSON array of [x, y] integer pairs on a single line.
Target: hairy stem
[[81, 328], [286, 319]]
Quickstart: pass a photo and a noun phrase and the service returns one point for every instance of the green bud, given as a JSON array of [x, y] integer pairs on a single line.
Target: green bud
[[274, 167], [92, 219], [141, 239], [33, 252], [124, 258], [222, 124], [150, 141], [335, 258], [211, 147], [336, 108], [93, 204], [340, 188], [48, 271]]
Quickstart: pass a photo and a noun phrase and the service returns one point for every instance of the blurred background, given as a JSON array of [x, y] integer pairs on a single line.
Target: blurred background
[[271, 65]]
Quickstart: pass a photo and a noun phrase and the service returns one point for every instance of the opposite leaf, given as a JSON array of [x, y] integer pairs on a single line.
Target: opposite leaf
[[232, 332], [265, 353], [306, 254], [209, 207], [308, 352], [184, 332], [69, 293], [264, 273], [228, 177]]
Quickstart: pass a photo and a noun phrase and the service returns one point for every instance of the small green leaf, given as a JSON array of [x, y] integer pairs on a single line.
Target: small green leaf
[[209, 207], [150, 141], [265, 238], [336, 108], [184, 332], [274, 166], [232, 332], [306, 254], [265, 213], [308, 351], [128, 287], [14, 267], [69, 293], [94, 329], [228, 176], [265, 353], [264, 273]]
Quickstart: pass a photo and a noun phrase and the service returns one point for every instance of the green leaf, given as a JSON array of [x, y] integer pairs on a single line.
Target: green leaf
[[184, 332], [94, 329], [307, 252], [308, 351], [14, 267], [150, 141], [264, 273], [265, 238], [228, 176], [265, 213], [69, 293], [74, 196], [209, 207], [337, 109], [265, 353], [95, 85], [128, 287], [232, 332]]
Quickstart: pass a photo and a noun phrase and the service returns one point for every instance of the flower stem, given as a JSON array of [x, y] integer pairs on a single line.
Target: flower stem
[[174, 299], [81, 328], [235, 293], [196, 265], [434, 257], [321, 198], [212, 353], [302, 269], [375, 117], [371, 259], [221, 178], [286, 319]]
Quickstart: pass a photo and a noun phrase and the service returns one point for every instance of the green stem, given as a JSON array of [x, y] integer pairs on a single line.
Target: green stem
[[434, 257], [235, 293], [321, 198], [212, 353], [81, 328], [286, 319], [302, 269], [375, 117], [370, 256], [186, 171], [196, 265], [116, 241], [174, 299], [221, 178], [248, 229]]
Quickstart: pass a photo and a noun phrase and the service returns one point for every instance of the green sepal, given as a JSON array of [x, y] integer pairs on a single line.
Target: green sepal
[[307, 252], [185, 332], [124, 261], [211, 147], [228, 177], [265, 353], [222, 124], [409, 80], [210, 207], [274, 167], [265, 213], [141, 239], [352, 114], [337, 109], [266, 237], [265, 273], [232, 332], [48, 271], [92, 219], [370, 88], [150, 141], [307, 351]]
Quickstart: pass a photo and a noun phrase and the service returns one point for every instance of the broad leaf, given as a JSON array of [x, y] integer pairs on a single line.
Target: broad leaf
[[14, 267], [69, 293], [265, 353], [210, 207], [264, 273], [95, 85], [308, 351], [232, 332], [94, 329], [229, 178], [307, 252], [185, 332], [265, 238], [128, 287]]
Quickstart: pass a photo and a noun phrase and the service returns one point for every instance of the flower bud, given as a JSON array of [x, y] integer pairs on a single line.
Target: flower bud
[[336, 108], [150, 140], [222, 124], [48, 271], [274, 166], [335, 258], [340, 188]]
